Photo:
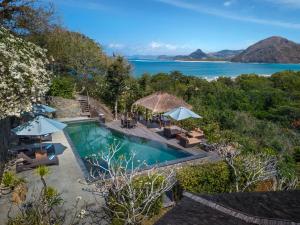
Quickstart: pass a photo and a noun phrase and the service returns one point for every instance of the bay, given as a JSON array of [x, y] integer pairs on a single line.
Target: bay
[[208, 70]]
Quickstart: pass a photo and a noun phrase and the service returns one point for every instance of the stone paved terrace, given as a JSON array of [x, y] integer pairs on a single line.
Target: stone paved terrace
[[155, 134], [67, 178]]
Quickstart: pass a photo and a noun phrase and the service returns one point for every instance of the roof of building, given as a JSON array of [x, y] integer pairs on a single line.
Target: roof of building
[[279, 206]]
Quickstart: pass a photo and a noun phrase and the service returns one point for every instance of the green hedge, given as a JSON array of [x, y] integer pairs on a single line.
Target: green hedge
[[62, 86], [206, 178]]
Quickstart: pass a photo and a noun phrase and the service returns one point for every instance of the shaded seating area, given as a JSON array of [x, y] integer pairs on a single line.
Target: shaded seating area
[[31, 156], [155, 105], [128, 121], [186, 139]]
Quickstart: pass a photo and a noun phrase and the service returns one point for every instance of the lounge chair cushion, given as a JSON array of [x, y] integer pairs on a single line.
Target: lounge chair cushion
[[195, 134]]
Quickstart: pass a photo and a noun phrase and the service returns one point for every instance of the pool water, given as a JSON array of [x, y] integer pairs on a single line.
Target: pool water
[[91, 138]]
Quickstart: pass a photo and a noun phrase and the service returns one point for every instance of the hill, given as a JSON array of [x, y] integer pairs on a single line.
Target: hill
[[271, 50], [200, 55], [225, 54], [196, 55]]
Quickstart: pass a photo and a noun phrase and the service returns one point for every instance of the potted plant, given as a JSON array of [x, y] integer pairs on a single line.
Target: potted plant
[[9, 182]]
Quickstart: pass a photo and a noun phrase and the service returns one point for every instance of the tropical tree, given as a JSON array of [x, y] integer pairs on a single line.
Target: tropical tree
[[248, 169], [117, 74], [26, 17], [74, 53], [24, 77]]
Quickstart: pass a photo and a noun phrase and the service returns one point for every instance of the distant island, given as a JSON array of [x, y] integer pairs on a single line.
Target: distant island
[[199, 55], [270, 50]]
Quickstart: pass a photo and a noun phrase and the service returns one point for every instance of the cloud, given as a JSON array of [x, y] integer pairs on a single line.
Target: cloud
[[228, 3], [160, 45], [229, 15], [115, 46]]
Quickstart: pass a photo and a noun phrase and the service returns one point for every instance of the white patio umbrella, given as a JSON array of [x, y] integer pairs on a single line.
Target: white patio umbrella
[[181, 113], [39, 126]]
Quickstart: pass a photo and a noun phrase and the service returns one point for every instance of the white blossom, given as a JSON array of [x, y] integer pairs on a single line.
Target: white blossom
[[23, 74]]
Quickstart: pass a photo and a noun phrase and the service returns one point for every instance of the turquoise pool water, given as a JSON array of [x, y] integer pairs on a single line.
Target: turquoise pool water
[[91, 138]]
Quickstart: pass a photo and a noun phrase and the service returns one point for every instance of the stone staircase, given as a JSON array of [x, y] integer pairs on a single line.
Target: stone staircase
[[84, 105]]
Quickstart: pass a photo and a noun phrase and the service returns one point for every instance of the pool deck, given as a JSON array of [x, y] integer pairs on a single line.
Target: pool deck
[[156, 134], [67, 178]]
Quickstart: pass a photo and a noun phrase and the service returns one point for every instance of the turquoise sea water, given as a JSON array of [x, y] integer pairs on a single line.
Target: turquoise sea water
[[208, 70], [91, 138]]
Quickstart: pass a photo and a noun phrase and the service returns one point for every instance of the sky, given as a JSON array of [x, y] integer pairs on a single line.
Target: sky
[[171, 27]]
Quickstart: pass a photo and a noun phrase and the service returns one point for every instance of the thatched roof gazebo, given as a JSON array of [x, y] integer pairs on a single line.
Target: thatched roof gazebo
[[161, 102]]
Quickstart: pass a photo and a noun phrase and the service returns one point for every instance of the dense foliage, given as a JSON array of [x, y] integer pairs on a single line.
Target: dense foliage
[[27, 17], [63, 86], [73, 52], [207, 178]]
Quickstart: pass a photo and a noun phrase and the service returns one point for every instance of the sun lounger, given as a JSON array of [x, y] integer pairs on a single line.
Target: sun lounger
[[189, 142], [27, 163], [197, 133], [32, 139], [171, 132], [30, 149]]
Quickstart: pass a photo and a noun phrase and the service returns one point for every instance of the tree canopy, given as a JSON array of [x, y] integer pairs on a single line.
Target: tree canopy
[[74, 52]]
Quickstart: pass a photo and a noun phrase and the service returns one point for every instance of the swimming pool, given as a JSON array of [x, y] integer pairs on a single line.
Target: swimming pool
[[91, 138]]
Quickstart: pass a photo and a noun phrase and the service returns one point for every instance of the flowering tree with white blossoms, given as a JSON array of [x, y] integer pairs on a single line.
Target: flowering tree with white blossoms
[[23, 74]]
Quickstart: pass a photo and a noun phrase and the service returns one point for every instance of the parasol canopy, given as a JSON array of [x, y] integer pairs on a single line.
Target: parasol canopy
[[160, 102], [181, 113], [39, 126]]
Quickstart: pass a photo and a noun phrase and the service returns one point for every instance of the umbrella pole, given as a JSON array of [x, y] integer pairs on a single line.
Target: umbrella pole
[[41, 143]]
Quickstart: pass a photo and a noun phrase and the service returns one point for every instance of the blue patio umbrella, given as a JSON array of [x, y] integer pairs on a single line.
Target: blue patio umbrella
[[181, 113], [39, 126], [40, 108]]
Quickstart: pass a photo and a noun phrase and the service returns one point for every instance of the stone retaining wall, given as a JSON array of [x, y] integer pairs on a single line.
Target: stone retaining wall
[[65, 108]]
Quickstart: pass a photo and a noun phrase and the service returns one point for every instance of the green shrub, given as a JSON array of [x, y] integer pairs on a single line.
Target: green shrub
[[207, 178], [297, 153], [9, 179], [62, 86]]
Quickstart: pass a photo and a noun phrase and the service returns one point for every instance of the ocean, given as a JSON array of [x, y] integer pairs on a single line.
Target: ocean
[[208, 70]]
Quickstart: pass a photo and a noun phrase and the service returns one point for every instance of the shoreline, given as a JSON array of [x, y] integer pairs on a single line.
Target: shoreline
[[202, 61], [232, 77]]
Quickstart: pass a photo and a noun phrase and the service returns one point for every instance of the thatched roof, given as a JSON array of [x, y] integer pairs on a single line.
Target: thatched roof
[[160, 102]]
